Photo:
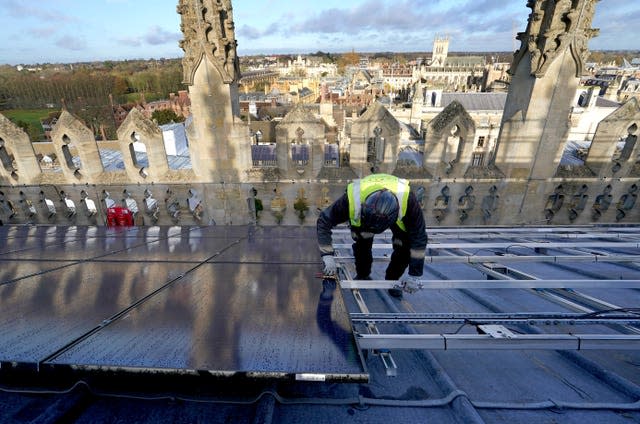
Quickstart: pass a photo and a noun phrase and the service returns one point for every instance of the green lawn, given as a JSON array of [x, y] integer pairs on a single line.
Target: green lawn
[[149, 97], [30, 116]]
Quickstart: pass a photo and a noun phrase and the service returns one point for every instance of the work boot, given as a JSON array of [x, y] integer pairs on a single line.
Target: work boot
[[397, 293]]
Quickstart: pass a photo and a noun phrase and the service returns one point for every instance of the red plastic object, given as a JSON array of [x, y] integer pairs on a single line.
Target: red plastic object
[[119, 217]]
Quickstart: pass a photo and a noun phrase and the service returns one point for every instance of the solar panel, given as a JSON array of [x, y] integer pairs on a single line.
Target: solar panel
[[221, 300], [264, 154], [331, 152], [300, 152]]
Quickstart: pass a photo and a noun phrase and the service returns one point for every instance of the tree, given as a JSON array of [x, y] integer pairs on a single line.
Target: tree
[[261, 86], [351, 58], [348, 59], [34, 133], [166, 116], [120, 86], [400, 59], [597, 57], [300, 73]]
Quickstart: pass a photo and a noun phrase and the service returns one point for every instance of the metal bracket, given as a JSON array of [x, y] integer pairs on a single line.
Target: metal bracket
[[387, 360], [497, 331]]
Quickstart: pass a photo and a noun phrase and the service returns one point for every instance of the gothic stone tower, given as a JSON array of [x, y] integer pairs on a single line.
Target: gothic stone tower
[[546, 72], [440, 51], [218, 139]]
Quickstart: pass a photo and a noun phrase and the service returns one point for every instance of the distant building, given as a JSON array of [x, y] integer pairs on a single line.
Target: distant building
[[630, 89], [309, 67], [456, 73], [611, 79], [120, 112], [440, 52], [48, 124], [496, 77], [180, 104], [397, 77]]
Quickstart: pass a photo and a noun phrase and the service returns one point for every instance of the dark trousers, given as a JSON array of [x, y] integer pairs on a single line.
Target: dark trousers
[[364, 258]]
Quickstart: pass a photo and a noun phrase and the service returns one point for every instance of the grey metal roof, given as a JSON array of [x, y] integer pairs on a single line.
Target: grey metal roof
[[112, 160], [465, 61], [476, 101], [508, 340], [570, 153], [602, 102]]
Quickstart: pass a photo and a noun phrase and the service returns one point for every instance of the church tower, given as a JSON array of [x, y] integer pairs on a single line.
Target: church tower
[[546, 71], [440, 51], [218, 139]]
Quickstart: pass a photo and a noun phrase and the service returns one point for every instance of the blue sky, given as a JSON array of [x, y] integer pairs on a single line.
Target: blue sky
[[82, 30]]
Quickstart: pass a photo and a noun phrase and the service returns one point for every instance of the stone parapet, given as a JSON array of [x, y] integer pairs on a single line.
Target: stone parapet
[[445, 202]]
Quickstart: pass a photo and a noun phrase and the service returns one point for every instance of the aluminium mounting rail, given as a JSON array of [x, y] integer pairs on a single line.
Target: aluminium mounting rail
[[509, 245], [490, 342], [471, 259], [385, 356], [496, 336], [497, 284], [548, 319]]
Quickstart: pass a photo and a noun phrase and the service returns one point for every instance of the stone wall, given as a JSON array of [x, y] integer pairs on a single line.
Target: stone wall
[[446, 202]]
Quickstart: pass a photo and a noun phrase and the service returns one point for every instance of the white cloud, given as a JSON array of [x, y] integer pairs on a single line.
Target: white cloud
[[71, 43], [157, 36]]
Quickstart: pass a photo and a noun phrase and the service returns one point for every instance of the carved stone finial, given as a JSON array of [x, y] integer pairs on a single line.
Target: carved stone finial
[[209, 32], [555, 26]]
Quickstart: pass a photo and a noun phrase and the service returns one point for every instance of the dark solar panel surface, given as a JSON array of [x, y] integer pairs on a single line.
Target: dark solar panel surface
[[264, 153], [331, 152], [300, 152], [222, 300]]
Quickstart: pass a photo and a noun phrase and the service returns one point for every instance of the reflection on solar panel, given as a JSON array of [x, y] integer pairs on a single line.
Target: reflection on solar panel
[[331, 155], [217, 300], [264, 155], [300, 153]]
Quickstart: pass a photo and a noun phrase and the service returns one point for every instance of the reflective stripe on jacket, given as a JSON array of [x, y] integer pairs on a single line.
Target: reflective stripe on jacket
[[360, 189]]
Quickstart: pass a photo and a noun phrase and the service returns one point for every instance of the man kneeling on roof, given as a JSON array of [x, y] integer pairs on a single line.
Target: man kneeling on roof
[[371, 205]]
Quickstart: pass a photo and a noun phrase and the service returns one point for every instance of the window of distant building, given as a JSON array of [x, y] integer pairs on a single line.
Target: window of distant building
[[478, 159], [481, 141]]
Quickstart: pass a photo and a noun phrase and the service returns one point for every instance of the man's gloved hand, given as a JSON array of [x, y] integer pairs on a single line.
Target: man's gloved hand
[[410, 283], [330, 268]]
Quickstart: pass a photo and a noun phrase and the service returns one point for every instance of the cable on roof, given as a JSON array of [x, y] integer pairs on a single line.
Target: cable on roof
[[351, 401]]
